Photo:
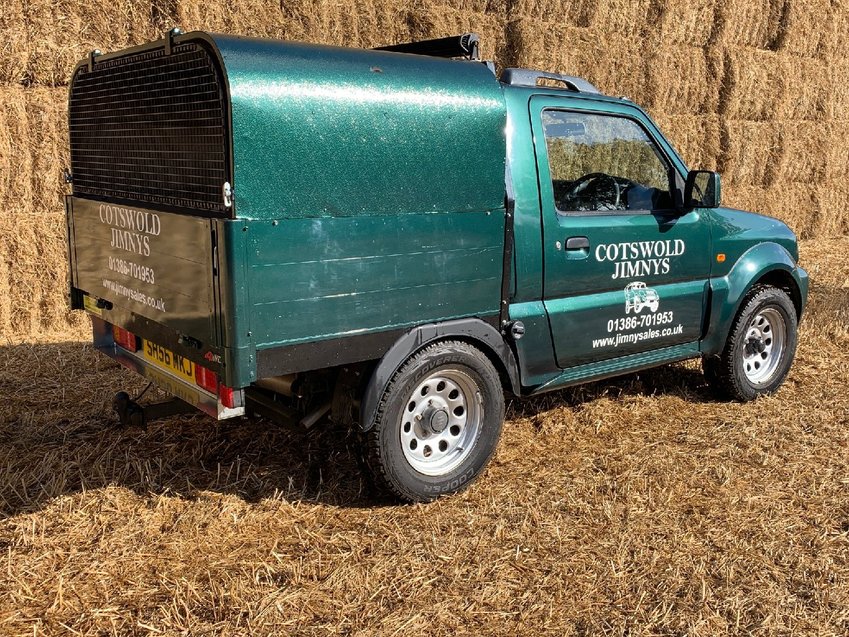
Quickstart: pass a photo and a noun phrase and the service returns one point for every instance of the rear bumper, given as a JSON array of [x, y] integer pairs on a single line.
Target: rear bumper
[[199, 398]]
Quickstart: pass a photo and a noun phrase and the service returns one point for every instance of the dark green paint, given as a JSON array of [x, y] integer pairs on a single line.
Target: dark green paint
[[755, 246], [328, 131], [312, 279]]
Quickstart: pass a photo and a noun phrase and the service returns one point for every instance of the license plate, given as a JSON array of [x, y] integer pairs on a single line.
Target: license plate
[[165, 359]]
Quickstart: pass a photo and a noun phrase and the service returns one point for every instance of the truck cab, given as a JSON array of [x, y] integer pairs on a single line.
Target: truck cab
[[606, 224], [393, 239]]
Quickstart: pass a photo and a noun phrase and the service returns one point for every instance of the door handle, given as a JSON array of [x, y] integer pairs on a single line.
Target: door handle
[[577, 243], [577, 248]]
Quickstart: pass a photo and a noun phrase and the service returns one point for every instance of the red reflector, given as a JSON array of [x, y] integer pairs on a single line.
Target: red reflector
[[225, 394], [206, 379], [125, 339]]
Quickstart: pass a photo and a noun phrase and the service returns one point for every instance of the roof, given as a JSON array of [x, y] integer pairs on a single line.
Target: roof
[[322, 130]]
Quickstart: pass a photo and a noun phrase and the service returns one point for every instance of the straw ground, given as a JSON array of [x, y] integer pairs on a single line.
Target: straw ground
[[639, 506]]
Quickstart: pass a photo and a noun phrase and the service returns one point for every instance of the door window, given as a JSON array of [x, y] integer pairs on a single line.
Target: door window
[[603, 163]]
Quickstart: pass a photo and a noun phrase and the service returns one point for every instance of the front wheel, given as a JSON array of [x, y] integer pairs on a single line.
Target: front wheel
[[437, 424], [760, 347]]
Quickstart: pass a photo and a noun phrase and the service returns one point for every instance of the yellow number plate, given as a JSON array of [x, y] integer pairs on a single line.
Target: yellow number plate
[[165, 359], [91, 305]]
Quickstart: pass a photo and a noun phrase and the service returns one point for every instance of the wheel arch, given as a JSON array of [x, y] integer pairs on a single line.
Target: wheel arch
[[764, 264], [475, 332], [783, 280]]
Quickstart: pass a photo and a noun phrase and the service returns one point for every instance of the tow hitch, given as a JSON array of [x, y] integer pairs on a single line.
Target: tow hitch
[[132, 414]]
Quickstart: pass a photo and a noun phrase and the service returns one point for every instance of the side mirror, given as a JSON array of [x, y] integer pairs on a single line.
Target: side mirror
[[702, 190]]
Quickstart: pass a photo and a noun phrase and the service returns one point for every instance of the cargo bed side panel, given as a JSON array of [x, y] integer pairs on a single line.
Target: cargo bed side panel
[[315, 279], [154, 264]]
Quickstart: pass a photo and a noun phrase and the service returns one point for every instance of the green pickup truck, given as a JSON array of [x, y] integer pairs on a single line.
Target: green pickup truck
[[392, 239]]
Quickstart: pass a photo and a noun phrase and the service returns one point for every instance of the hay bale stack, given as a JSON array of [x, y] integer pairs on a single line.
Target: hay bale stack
[[61, 32], [838, 89], [33, 141], [47, 114], [801, 27], [256, 18], [613, 63], [688, 22], [837, 154], [13, 44], [805, 153], [832, 221], [754, 84], [625, 18], [833, 28], [345, 23], [36, 254], [751, 23], [799, 206], [580, 13], [15, 161], [751, 152], [696, 138], [808, 89], [5, 280], [684, 81]]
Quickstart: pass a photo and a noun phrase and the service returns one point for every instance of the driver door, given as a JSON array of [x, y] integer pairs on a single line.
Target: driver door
[[626, 272]]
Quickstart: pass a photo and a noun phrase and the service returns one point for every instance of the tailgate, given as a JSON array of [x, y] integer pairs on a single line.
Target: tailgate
[[154, 264]]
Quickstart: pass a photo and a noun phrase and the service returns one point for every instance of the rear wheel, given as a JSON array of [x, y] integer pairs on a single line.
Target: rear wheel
[[760, 347], [437, 424]]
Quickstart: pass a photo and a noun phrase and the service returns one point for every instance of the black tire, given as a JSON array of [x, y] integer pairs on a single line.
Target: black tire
[[734, 373], [394, 427]]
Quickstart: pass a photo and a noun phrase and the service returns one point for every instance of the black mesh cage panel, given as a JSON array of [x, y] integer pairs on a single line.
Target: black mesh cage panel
[[151, 128]]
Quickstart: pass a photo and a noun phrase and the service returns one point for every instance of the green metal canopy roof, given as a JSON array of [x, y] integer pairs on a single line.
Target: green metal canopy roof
[[331, 131]]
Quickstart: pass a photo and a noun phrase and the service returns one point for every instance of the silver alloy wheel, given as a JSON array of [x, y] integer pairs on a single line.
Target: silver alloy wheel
[[763, 349], [441, 422]]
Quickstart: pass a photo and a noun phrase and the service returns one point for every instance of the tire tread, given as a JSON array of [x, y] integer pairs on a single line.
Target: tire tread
[[371, 442]]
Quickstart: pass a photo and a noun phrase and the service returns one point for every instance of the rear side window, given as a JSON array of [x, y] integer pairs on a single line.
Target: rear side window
[[604, 163]]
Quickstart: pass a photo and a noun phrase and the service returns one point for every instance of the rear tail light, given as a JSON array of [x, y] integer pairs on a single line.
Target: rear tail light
[[206, 379], [125, 339], [225, 395]]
